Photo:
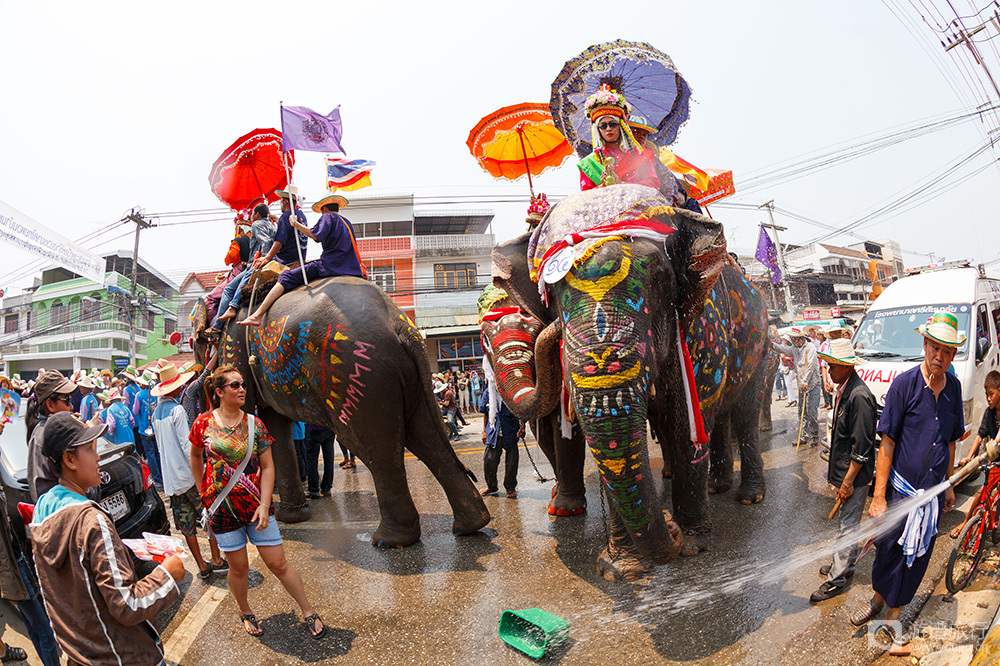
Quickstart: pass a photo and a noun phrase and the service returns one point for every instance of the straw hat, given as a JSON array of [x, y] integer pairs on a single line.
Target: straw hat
[[640, 122], [330, 199], [85, 382], [292, 191], [797, 332], [843, 328], [129, 373], [942, 327], [841, 352], [439, 387], [115, 394], [170, 380]]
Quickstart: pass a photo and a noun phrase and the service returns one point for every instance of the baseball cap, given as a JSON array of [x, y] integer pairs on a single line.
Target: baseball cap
[[63, 431], [51, 382]]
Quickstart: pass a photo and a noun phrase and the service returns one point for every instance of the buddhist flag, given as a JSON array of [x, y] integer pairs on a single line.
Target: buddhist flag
[[767, 254], [347, 175], [304, 129]]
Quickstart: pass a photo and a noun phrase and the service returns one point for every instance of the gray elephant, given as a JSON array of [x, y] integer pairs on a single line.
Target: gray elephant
[[654, 323], [340, 353]]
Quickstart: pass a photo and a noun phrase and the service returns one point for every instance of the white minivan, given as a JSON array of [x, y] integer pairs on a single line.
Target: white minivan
[[887, 339]]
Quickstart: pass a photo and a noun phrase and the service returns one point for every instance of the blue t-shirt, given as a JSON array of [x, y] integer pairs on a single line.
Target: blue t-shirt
[[921, 426], [337, 237], [123, 422], [146, 406], [298, 430], [287, 254]]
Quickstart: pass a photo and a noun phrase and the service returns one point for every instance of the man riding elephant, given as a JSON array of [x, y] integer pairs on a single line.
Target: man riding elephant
[[653, 322]]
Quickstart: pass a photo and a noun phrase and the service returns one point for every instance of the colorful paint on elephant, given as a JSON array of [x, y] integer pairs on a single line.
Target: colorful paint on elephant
[[726, 343], [281, 354], [607, 358], [509, 341]]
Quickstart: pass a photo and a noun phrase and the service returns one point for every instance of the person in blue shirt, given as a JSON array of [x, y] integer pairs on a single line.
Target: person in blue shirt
[[340, 253], [142, 412], [89, 405], [501, 430], [299, 440], [118, 418]]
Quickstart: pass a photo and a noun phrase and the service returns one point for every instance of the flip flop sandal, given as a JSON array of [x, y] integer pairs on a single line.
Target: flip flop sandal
[[13, 654], [249, 617], [311, 623], [864, 614]]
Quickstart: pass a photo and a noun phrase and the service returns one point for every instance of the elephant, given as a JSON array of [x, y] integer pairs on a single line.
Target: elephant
[[341, 354], [619, 314], [509, 337]]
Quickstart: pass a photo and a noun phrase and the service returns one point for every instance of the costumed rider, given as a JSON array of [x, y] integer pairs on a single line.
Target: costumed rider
[[537, 209], [340, 253], [262, 233], [617, 157]]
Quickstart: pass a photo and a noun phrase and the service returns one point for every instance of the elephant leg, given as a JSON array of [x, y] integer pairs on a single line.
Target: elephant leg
[[689, 493], [720, 478], [620, 558], [426, 439], [293, 507], [569, 495], [745, 423]]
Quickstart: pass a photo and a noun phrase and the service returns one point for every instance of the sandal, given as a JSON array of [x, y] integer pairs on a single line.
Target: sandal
[[13, 654], [311, 621], [349, 465], [864, 614], [249, 617]]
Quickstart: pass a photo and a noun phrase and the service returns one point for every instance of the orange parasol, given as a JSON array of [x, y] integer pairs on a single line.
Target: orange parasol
[[707, 185], [519, 140]]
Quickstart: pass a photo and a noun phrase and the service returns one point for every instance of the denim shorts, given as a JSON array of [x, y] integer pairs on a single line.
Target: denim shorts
[[237, 539]]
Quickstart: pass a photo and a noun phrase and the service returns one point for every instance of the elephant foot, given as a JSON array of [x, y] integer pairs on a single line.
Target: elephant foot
[[765, 427], [471, 524], [562, 506], [750, 494], [292, 514], [695, 541], [623, 567], [385, 538], [719, 486]]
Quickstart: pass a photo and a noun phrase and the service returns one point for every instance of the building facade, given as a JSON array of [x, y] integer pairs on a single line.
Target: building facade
[[68, 323]]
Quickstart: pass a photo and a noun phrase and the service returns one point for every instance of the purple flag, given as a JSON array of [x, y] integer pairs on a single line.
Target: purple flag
[[767, 254], [304, 129]]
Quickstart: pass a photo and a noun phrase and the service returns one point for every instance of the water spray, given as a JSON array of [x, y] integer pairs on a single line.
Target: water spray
[[991, 451]]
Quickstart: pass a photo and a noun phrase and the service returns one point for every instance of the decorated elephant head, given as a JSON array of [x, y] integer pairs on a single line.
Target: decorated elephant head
[[638, 275]]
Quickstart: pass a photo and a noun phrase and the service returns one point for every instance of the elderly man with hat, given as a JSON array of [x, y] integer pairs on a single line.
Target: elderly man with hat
[[170, 424], [852, 460], [52, 394], [920, 425], [807, 375], [340, 253], [283, 247]]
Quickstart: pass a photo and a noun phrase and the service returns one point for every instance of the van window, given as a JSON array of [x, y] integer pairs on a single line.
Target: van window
[[995, 307], [983, 324], [891, 333]]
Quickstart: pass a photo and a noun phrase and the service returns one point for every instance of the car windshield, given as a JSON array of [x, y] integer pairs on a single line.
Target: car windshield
[[891, 333], [15, 445]]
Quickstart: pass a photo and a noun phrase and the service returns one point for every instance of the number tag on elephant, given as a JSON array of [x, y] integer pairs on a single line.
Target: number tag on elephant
[[558, 265]]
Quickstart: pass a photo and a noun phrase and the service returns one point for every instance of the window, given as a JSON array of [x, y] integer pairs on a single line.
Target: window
[[457, 348], [454, 276], [996, 320], [383, 276], [59, 314], [147, 320], [10, 324], [982, 324], [376, 229], [90, 308], [169, 327]]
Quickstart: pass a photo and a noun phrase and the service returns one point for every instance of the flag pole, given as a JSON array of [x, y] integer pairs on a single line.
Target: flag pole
[[291, 212]]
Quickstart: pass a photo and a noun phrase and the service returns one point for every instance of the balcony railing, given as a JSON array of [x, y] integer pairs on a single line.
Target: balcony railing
[[454, 244]]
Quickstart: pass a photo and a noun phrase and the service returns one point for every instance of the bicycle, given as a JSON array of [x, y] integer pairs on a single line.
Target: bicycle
[[963, 563]]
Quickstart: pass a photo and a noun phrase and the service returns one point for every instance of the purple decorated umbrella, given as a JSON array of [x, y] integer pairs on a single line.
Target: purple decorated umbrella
[[646, 76]]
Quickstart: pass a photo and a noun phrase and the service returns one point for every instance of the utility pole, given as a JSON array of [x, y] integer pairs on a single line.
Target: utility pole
[[965, 37], [140, 224], [781, 255]]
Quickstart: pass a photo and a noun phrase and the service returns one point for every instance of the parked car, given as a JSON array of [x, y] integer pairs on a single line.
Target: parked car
[[126, 492]]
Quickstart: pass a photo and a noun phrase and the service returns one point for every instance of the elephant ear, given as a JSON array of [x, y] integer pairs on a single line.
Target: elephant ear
[[510, 273], [698, 250]]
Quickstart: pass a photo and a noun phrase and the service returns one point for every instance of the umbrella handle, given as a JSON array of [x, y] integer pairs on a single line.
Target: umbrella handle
[[524, 154]]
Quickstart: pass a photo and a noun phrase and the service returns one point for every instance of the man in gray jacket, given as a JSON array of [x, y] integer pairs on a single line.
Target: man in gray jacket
[[52, 395], [807, 375]]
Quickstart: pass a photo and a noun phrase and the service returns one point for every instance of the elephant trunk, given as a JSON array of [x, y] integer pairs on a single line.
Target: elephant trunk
[[529, 383]]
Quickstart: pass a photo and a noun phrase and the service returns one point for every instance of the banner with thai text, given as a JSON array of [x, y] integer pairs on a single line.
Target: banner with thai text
[[18, 229]]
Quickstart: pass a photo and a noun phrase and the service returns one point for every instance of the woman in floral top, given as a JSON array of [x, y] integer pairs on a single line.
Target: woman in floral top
[[245, 513]]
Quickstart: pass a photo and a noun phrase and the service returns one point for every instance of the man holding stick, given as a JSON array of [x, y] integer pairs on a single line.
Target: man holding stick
[[852, 461]]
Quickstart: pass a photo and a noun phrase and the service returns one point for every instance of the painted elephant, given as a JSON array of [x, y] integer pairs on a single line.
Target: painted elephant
[[339, 353], [619, 313], [509, 336]]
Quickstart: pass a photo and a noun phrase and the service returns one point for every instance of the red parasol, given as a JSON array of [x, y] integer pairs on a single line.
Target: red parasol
[[251, 169]]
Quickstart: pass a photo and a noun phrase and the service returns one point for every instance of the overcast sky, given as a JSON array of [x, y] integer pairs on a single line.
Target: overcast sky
[[112, 105]]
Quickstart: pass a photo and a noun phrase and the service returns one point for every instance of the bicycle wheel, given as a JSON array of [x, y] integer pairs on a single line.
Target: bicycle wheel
[[965, 557]]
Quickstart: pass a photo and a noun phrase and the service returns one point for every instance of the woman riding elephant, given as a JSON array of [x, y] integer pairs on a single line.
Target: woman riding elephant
[[653, 322]]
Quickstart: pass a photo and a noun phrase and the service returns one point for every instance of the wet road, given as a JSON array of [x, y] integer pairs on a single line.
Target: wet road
[[439, 602]]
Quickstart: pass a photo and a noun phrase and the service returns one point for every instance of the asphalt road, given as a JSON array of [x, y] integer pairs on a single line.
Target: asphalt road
[[439, 602]]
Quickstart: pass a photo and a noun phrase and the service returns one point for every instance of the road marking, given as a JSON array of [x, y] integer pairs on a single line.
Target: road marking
[[181, 640], [462, 452]]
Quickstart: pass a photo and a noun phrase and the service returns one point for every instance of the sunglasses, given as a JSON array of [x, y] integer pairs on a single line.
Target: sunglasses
[[606, 126], [237, 385], [63, 397]]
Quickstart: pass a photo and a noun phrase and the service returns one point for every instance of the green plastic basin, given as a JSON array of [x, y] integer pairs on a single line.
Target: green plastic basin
[[533, 631]]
